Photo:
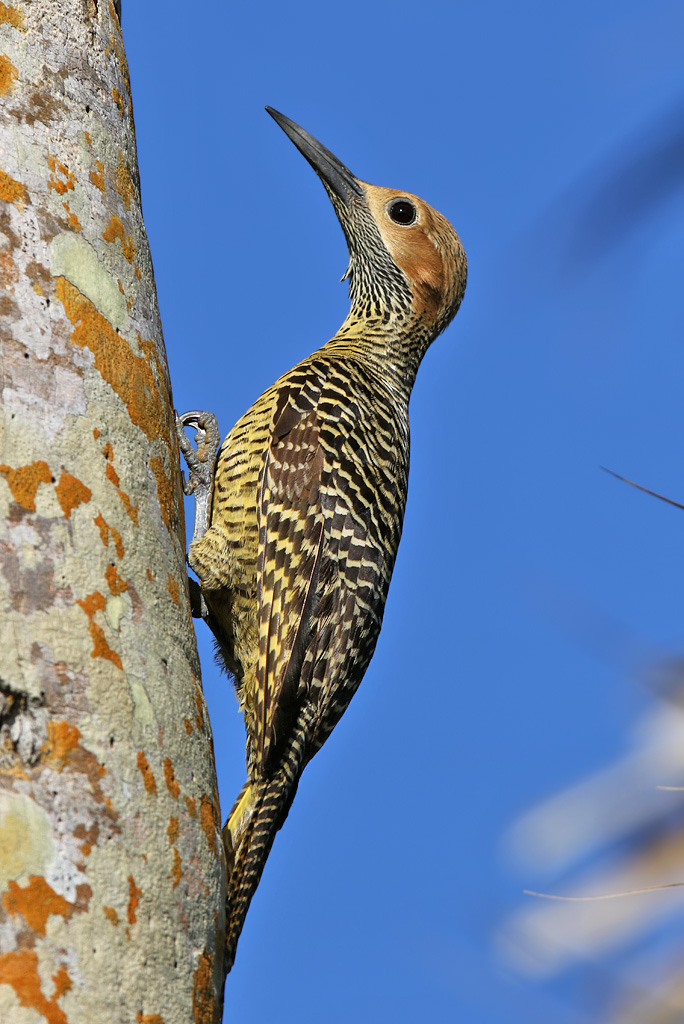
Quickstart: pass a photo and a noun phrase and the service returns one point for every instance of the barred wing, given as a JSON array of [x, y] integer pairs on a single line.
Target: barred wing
[[324, 562]]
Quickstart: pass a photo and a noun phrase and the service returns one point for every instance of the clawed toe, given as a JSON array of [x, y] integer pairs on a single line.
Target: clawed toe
[[200, 462]]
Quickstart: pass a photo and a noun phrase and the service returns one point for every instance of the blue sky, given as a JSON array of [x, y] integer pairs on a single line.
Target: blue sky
[[531, 588]]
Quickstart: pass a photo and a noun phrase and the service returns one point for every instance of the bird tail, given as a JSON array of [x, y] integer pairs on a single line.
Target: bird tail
[[272, 800]]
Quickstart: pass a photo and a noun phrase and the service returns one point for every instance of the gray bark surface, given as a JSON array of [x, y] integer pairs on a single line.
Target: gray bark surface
[[112, 881]]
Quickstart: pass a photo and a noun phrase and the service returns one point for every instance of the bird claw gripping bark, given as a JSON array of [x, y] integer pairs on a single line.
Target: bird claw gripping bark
[[200, 462], [200, 481]]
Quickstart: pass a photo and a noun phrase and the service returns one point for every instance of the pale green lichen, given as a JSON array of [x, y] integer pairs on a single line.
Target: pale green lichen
[[116, 607], [142, 708], [73, 258], [26, 841]]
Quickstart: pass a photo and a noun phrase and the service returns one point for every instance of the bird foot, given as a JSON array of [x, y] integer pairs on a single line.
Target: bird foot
[[200, 462]]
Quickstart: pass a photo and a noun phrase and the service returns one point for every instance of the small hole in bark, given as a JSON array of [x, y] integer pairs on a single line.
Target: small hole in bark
[[53, 479], [26, 355], [111, 741], [164, 662], [87, 109]]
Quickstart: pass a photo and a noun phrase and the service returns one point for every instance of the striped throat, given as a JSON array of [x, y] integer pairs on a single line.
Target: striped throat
[[407, 268]]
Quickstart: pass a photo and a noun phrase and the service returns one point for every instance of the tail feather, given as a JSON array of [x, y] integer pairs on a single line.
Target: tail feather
[[272, 800]]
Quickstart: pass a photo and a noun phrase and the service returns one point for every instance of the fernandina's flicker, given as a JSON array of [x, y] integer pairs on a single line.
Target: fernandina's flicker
[[297, 529]]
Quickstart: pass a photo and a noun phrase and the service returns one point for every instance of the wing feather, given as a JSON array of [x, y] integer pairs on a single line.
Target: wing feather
[[290, 540], [324, 566]]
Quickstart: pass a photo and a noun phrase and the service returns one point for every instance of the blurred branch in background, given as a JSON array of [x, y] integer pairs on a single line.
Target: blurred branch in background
[[613, 831], [634, 183]]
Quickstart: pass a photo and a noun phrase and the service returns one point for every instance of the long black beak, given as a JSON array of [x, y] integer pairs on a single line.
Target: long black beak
[[338, 178]]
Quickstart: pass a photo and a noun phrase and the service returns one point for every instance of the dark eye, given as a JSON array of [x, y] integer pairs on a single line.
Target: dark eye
[[402, 211]]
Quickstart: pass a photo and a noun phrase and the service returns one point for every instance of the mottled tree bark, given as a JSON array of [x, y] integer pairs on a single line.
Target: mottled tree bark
[[112, 881]]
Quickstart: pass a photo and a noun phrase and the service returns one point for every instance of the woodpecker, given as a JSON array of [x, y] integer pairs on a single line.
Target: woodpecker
[[298, 519]]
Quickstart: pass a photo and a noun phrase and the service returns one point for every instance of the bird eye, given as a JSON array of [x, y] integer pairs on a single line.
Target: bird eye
[[402, 211]]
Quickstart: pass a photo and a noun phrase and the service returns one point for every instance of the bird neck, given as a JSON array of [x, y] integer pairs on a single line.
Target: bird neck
[[393, 344]]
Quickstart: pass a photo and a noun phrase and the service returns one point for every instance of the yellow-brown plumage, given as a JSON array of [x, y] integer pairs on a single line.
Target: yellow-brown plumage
[[308, 502]]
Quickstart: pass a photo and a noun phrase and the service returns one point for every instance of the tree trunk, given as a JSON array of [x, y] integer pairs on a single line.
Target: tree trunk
[[112, 881]]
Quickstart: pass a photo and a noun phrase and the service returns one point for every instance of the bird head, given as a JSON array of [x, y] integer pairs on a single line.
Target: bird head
[[406, 262]]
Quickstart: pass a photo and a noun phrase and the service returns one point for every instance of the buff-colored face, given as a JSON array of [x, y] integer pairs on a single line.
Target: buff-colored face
[[421, 242]]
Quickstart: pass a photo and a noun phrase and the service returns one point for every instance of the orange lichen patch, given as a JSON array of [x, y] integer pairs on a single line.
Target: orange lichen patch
[[173, 589], [61, 748], [170, 779], [62, 982], [149, 1018], [25, 480], [199, 703], [36, 902], [131, 376], [95, 602], [150, 576], [208, 821], [172, 830], [74, 222], [12, 191], [8, 268], [204, 1010], [164, 491], [61, 742], [191, 805], [134, 895], [150, 350], [114, 230], [60, 186], [12, 16], [105, 530], [136, 268], [70, 493], [38, 275], [188, 726], [86, 762], [114, 581], [111, 915], [131, 509], [101, 648], [89, 835], [97, 176], [119, 100], [146, 772], [88, 138], [177, 869], [8, 75], [19, 970], [117, 45], [121, 287], [124, 182]]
